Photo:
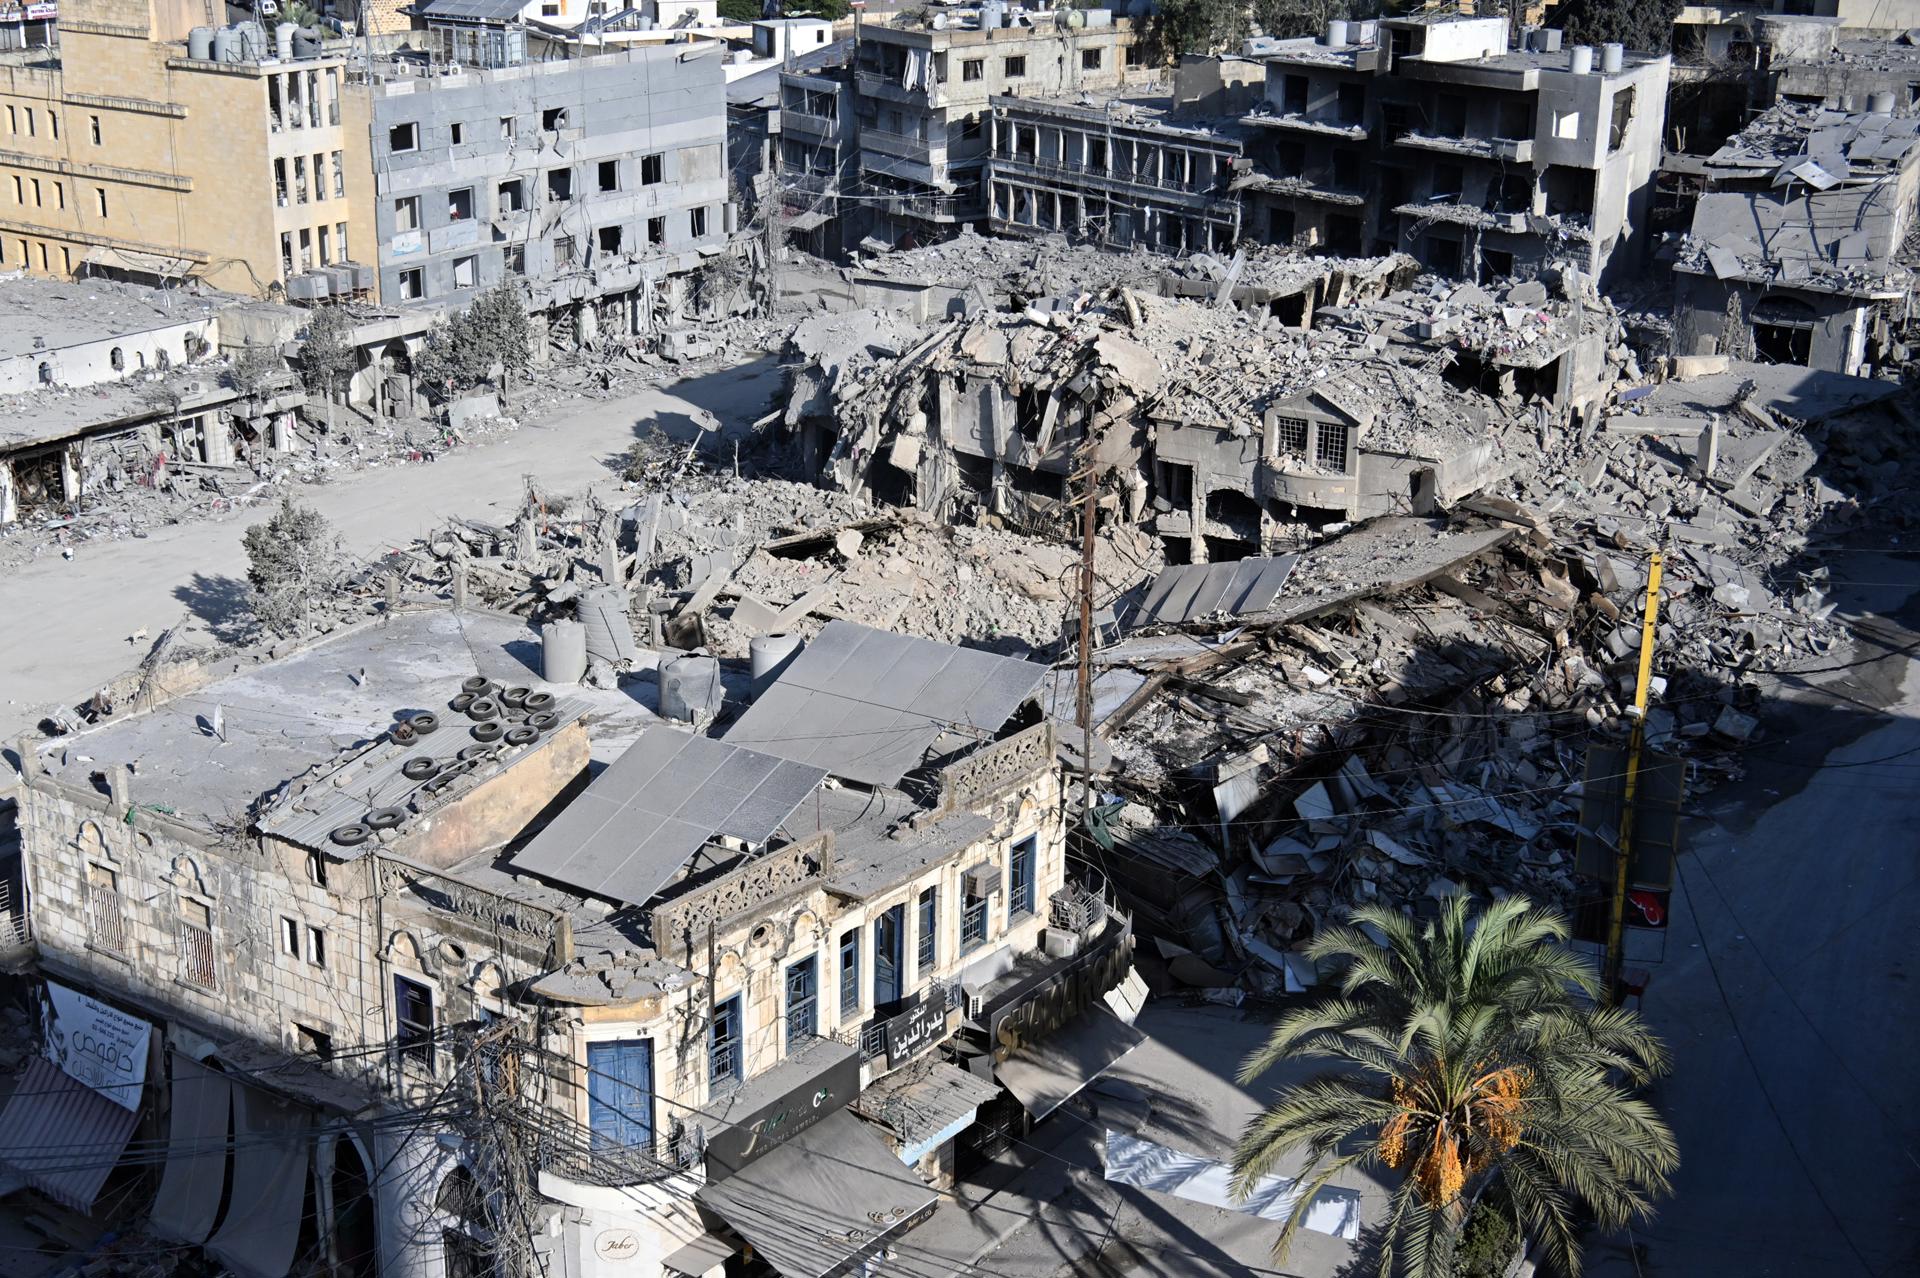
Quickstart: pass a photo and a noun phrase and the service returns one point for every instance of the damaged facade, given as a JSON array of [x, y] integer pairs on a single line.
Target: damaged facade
[[1797, 252], [1431, 136], [1225, 430], [590, 177]]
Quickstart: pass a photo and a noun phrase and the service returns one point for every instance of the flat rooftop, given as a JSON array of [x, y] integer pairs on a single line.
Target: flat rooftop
[[1129, 107], [281, 718], [60, 313]]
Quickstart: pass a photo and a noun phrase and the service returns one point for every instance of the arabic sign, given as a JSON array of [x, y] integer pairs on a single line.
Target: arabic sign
[[1032, 1012], [916, 1029], [98, 1045], [405, 243], [773, 1125]]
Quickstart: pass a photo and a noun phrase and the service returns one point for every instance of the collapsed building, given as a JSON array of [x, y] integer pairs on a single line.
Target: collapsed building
[[1223, 428], [1797, 249], [109, 385]]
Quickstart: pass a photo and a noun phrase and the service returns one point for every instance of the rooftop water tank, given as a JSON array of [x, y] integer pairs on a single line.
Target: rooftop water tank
[[769, 655], [1880, 103], [226, 45], [1612, 58], [563, 651], [1336, 34], [306, 44], [200, 44], [253, 41], [1550, 40], [690, 689], [283, 40], [1580, 61]]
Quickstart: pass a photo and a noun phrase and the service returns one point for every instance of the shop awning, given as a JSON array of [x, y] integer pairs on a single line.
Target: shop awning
[[271, 1150], [828, 1198], [1047, 1074], [196, 1175], [697, 1257], [812, 219], [61, 1136], [925, 1105]]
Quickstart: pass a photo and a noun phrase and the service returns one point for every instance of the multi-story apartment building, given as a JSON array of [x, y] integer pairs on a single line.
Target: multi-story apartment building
[[1430, 135], [145, 147], [1123, 170], [921, 94], [589, 178], [448, 1008]]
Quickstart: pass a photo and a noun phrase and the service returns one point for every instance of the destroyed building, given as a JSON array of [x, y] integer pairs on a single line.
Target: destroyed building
[[321, 891], [1796, 253], [1120, 169], [110, 385], [1222, 429], [919, 97], [149, 147], [1430, 135], [589, 178]]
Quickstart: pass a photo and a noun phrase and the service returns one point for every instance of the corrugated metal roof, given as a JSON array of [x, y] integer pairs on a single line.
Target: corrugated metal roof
[[866, 704], [63, 1136], [372, 779], [922, 1100], [471, 10], [643, 817], [1186, 591]]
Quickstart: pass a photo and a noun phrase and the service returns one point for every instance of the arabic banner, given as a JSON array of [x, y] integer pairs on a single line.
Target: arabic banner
[[95, 1044]]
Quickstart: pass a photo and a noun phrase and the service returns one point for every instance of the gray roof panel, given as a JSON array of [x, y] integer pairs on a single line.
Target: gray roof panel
[[866, 704], [656, 805], [1186, 592]]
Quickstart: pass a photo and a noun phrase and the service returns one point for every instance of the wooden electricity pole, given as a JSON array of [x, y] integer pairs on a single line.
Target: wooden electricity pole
[[1089, 476], [1623, 847]]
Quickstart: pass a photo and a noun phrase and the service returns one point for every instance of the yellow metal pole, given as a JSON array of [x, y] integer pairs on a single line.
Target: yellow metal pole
[[1623, 848]]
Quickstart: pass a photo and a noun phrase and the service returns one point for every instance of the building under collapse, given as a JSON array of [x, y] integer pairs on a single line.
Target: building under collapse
[[1226, 430], [1797, 251]]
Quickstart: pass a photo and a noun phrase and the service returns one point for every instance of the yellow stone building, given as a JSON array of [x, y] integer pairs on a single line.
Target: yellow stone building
[[145, 149]]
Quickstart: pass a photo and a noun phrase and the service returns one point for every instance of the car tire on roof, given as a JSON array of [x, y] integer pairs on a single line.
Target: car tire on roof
[[488, 730], [353, 834], [386, 818]]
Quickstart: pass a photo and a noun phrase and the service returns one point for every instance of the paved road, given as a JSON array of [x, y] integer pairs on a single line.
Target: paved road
[[1788, 992], [65, 624]]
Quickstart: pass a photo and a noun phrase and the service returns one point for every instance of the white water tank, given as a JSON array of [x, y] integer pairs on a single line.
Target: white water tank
[[226, 45], [769, 655], [253, 41], [690, 689], [563, 651], [1612, 58], [1880, 103], [1550, 40], [283, 40], [200, 44], [1580, 61], [1336, 34]]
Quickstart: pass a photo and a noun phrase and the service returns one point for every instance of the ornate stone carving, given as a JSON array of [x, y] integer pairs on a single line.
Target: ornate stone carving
[[467, 901], [989, 772], [680, 925]]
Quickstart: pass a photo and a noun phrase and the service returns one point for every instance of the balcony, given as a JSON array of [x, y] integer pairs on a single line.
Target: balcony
[[15, 935], [1511, 150], [796, 121], [1081, 176], [905, 145], [973, 925], [1302, 188], [877, 84], [1299, 123]]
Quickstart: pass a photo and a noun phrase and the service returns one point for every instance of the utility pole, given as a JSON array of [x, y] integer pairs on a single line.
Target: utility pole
[[1623, 847], [1089, 522]]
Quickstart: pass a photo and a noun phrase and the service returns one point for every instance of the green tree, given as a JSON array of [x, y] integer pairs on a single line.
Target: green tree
[[1466, 1049], [462, 350], [327, 356], [1195, 26], [1287, 18], [254, 370], [741, 10], [1644, 27], [293, 560]]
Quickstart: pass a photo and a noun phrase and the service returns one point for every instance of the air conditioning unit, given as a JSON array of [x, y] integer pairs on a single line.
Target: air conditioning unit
[[983, 879], [308, 286]]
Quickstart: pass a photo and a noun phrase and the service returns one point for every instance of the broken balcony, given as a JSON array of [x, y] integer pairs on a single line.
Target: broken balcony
[[1301, 123], [1511, 150]]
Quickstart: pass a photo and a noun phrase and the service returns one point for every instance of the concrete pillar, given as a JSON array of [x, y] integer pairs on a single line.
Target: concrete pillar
[[1709, 455], [70, 463], [217, 440], [586, 323], [9, 497]]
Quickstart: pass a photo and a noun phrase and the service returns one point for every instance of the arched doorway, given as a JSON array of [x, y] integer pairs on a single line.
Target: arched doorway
[[355, 1240]]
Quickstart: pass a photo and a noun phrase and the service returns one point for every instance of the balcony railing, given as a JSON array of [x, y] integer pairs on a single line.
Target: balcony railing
[[106, 919], [14, 932], [723, 1064], [196, 956], [973, 924], [803, 1021], [1190, 188]]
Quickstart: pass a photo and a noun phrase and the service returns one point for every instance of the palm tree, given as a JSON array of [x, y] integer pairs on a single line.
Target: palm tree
[[1467, 1049]]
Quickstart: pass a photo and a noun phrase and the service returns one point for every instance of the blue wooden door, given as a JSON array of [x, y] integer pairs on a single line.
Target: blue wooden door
[[620, 1093]]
